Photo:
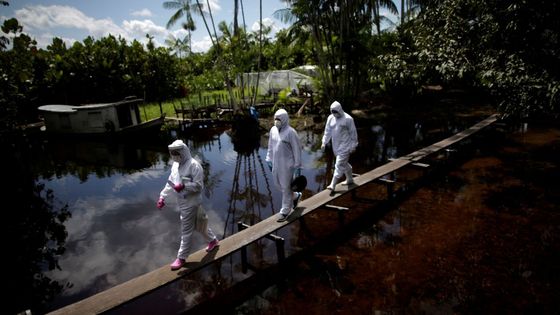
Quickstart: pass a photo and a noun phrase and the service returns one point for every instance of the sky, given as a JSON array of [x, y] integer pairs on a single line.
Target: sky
[[74, 20]]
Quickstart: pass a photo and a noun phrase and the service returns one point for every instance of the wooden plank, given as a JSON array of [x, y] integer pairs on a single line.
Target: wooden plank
[[420, 154], [386, 180], [338, 208], [148, 282]]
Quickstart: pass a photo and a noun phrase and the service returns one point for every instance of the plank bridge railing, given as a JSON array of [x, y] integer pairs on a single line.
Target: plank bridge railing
[[141, 285]]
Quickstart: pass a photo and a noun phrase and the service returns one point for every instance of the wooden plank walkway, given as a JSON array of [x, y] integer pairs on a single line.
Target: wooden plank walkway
[[155, 279]]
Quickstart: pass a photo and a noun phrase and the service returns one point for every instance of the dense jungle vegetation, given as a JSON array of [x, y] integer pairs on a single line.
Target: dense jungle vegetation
[[508, 50], [505, 50]]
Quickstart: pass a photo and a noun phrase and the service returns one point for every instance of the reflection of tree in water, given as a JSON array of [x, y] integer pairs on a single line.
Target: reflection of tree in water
[[246, 188], [245, 137], [36, 235], [80, 158]]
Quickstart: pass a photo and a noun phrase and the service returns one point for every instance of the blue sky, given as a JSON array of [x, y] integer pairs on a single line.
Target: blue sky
[[73, 20]]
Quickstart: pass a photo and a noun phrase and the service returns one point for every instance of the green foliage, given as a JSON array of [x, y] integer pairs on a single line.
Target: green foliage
[[285, 98], [17, 77], [91, 71], [507, 48]]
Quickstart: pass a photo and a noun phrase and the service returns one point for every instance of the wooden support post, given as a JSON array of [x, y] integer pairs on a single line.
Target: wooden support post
[[244, 264], [353, 193], [422, 166], [280, 254], [341, 211], [448, 152], [279, 241], [389, 183]]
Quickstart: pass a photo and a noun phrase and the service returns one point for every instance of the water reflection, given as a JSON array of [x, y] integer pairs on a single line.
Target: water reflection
[[112, 235], [480, 238], [35, 233], [250, 192], [115, 232]]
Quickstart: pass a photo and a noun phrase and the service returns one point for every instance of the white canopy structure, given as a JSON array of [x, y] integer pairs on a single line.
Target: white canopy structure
[[274, 81]]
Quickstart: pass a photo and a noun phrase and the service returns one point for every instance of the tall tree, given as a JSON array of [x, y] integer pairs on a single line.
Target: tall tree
[[339, 31], [184, 9], [178, 45], [377, 17], [235, 14]]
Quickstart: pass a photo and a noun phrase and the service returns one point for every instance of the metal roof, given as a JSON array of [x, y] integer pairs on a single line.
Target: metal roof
[[58, 108]]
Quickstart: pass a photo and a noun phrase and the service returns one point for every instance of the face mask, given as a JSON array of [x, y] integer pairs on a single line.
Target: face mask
[[277, 123], [336, 114], [176, 156]]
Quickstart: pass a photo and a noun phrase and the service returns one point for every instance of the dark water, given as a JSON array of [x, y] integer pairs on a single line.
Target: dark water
[[481, 237]]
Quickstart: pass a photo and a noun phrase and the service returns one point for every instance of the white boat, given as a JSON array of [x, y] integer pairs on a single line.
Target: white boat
[[118, 118]]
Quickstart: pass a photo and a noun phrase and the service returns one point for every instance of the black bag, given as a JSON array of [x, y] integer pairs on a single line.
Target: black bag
[[299, 183]]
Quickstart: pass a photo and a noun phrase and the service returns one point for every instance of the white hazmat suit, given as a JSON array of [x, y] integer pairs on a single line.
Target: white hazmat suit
[[185, 182], [284, 152], [340, 129]]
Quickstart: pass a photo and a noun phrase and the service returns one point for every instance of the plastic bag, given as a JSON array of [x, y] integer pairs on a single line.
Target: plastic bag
[[201, 221]]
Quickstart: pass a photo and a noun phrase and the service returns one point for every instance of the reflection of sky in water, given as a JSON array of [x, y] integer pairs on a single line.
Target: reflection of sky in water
[[116, 232]]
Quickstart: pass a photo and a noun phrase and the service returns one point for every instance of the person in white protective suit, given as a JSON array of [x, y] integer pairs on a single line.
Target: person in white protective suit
[[340, 129], [185, 182], [284, 160]]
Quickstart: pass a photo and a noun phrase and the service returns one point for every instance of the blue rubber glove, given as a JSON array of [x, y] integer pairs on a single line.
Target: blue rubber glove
[[269, 163], [297, 172]]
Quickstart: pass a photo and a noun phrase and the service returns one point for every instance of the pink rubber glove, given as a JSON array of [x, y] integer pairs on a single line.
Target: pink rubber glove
[[160, 203], [179, 187]]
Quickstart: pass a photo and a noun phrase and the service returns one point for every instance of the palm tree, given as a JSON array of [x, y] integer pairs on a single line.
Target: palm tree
[[178, 45], [411, 7], [200, 7], [184, 8], [218, 49], [376, 5], [337, 31], [235, 13], [313, 19], [237, 4]]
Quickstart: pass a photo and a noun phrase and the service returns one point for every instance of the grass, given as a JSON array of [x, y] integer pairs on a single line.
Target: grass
[[152, 110]]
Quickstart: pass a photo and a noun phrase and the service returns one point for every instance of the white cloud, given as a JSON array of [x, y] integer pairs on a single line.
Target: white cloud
[[142, 13], [40, 22], [71, 24], [202, 45], [268, 22], [214, 5], [179, 33], [38, 17], [137, 28], [132, 179], [45, 39]]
